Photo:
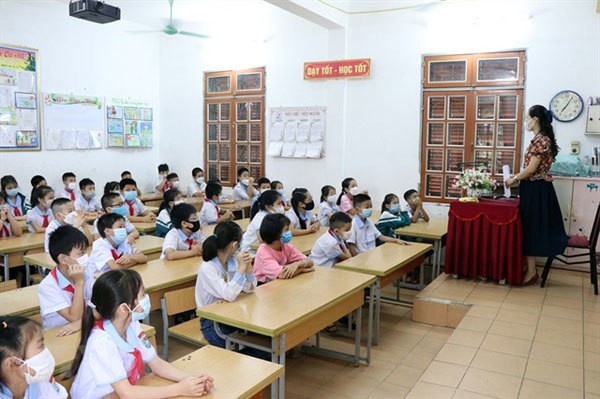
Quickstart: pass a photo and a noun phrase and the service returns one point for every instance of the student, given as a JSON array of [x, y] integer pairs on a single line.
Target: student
[[244, 190], [327, 207], [391, 217], [364, 234], [112, 187], [331, 247], [278, 186], [112, 251], [349, 190], [264, 184], [276, 257], [137, 211], [161, 180], [113, 203], [184, 240], [26, 364], [12, 196], [113, 348], [37, 181], [61, 293], [70, 187], [127, 175], [9, 227], [40, 216], [270, 202], [172, 182], [302, 220], [210, 212], [414, 206], [86, 199], [198, 185], [163, 221], [64, 214]]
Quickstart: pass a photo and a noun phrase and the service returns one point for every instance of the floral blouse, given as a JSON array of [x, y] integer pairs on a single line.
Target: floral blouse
[[540, 147]]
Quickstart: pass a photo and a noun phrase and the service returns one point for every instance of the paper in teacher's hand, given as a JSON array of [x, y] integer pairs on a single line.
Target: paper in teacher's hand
[[505, 176]]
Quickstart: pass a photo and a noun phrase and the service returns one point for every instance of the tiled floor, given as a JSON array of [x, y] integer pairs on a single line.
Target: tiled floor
[[514, 343]]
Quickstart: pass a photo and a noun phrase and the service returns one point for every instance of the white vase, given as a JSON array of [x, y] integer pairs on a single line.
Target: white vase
[[474, 192]]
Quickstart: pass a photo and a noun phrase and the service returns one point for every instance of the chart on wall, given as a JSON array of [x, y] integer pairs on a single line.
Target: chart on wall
[[297, 132], [129, 123], [72, 122], [19, 114]]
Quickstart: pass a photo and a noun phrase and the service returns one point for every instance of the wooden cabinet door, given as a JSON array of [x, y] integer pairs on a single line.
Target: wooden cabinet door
[[586, 197]]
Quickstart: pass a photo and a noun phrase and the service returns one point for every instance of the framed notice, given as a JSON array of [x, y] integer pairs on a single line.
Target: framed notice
[[129, 123], [297, 132]]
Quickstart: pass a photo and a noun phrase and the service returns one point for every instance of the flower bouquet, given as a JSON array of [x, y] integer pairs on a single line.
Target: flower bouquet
[[475, 182]]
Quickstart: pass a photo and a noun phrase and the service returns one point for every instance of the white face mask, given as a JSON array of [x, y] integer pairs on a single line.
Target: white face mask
[[69, 218], [83, 260], [245, 182], [355, 190], [332, 198], [72, 186], [279, 209], [281, 191], [175, 184], [347, 235], [200, 180], [178, 202], [43, 364]]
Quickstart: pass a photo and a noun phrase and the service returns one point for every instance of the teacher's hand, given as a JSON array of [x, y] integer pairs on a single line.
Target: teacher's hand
[[510, 181]]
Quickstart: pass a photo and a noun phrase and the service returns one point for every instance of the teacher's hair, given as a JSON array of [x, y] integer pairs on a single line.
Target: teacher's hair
[[545, 118]]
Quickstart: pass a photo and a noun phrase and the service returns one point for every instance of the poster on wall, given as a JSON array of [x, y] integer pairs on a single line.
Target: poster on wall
[[73, 122], [19, 114], [297, 132], [129, 123]]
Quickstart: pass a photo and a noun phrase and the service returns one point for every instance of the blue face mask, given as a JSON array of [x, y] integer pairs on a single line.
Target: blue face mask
[[130, 195], [145, 305], [120, 210], [120, 235], [366, 213], [395, 208], [12, 192], [286, 237]]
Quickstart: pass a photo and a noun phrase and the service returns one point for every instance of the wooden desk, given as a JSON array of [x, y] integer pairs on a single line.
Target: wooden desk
[[435, 230], [153, 209], [64, 348], [210, 229], [20, 302], [235, 375], [145, 227], [290, 311], [12, 250], [196, 201], [151, 197], [243, 206], [388, 263]]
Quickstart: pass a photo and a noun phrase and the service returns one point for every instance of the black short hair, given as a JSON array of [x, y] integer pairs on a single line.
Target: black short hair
[[359, 199], [163, 167], [107, 200], [263, 180], [66, 175], [213, 189], [272, 226], [110, 186], [181, 213], [172, 176], [127, 182], [57, 205], [339, 219], [242, 170], [409, 193], [37, 179], [38, 193], [195, 171], [274, 184], [83, 183], [107, 221], [125, 172], [64, 239], [218, 181]]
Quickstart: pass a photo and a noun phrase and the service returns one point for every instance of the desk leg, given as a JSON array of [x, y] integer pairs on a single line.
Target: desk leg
[[370, 322], [358, 336], [5, 266], [377, 309], [437, 256], [278, 388], [27, 273]]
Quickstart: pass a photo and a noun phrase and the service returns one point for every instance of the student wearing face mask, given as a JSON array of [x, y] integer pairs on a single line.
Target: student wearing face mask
[[40, 216], [331, 247], [302, 219], [65, 214], [349, 190], [9, 227], [13, 197], [198, 184], [276, 257], [270, 202], [61, 293], [113, 350], [244, 189], [160, 184], [163, 221], [278, 186], [327, 207], [113, 203], [264, 184], [391, 216], [111, 250], [210, 212], [69, 191], [112, 187], [136, 210], [172, 182], [184, 240], [26, 365], [86, 199]]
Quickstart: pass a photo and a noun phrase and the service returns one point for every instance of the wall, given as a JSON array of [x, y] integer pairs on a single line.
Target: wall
[[83, 58]]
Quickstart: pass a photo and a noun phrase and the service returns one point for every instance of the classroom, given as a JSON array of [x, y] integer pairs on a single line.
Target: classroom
[[300, 198]]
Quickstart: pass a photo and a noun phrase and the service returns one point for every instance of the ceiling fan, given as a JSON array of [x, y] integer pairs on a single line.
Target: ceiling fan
[[172, 30]]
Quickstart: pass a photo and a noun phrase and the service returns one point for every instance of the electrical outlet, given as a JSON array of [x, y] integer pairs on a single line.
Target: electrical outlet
[[593, 119]]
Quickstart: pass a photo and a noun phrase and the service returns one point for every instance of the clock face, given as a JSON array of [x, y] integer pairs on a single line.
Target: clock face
[[566, 106]]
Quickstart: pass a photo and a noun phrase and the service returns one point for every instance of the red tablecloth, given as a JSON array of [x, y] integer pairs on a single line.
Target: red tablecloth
[[485, 240]]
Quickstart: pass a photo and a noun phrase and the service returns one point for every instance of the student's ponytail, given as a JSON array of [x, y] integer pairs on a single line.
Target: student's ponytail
[[387, 200], [345, 184], [325, 193], [87, 323], [299, 195], [169, 196], [268, 198], [225, 233], [39, 192], [545, 118]]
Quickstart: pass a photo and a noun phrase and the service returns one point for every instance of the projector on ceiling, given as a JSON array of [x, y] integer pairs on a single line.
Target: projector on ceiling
[[94, 11]]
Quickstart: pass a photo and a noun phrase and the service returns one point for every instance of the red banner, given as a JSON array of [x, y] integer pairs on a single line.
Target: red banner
[[359, 68]]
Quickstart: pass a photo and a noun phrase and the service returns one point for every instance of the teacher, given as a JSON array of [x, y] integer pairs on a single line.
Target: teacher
[[543, 231]]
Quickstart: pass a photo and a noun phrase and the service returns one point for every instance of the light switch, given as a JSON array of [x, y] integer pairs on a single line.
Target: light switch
[[593, 119]]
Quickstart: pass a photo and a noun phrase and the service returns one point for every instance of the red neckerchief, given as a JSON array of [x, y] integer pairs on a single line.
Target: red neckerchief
[[336, 238], [130, 205], [190, 242], [216, 206], [68, 288], [71, 193], [137, 371], [115, 255], [16, 211], [4, 231], [45, 221]]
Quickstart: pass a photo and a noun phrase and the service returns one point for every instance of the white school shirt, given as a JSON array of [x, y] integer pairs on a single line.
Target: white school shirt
[[138, 207], [325, 208], [82, 204], [209, 213], [63, 193], [52, 298], [176, 239], [194, 187], [295, 221], [327, 249], [409, 210], [37, 216], [104, 362], [214, 283], [102, 253], [129, 227], [7, 224], [157, 181], [42, 390], [251, 234], [240, 192], [363, 234], [53, 225]]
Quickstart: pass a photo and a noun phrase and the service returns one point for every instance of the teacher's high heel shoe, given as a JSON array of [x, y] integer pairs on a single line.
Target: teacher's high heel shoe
[[532, 280]]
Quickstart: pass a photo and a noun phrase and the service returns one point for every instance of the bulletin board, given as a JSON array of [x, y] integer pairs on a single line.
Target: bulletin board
[[297, 132], [72, 122], [19, 87], [129, 123]]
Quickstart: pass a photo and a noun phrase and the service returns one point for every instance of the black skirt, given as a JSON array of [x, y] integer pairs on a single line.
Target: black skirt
[[543, 230]]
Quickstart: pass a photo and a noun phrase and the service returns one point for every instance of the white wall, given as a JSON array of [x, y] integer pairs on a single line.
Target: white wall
[[83, 58]]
